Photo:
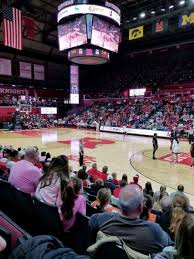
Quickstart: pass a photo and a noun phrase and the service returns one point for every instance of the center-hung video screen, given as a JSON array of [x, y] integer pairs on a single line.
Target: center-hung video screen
[[105, 35], [72, 34]]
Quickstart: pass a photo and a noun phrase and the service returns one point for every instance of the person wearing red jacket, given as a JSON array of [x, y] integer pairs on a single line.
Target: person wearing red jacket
[[135, 181], [94, 172]]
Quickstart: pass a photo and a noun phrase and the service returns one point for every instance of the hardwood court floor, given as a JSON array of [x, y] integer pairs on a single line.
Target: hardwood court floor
[[130, 154]]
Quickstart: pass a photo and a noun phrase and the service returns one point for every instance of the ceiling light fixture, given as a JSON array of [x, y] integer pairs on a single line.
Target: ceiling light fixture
[[142, 15], [171, 6], [153, 12], [182, 2]]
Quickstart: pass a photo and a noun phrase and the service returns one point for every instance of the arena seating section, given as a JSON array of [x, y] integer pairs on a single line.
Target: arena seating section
[[153, 70], [156, 112]]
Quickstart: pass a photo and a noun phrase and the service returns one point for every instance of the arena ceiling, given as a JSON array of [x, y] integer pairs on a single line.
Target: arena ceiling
[[44, 12]]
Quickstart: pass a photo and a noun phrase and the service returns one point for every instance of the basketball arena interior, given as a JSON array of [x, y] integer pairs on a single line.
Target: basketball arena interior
[[97, 129]]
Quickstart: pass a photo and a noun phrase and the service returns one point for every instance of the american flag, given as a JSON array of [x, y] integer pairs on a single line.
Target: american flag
[[12, 26]]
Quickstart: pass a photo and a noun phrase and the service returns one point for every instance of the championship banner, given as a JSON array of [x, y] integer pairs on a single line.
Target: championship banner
[[160, 26], [5, 67], [186, 20], [74, 84], [136, 33], [25, 70], [39, 72]]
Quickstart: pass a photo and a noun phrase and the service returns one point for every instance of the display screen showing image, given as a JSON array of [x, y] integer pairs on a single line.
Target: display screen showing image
[[72, 34], [105, 35], [137, 92]]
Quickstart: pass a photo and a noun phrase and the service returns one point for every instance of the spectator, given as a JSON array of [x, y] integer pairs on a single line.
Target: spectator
[[180, 191], [42, 156], [102, 202], [176, 218], [24, 175], [184, 240], [125, 178], [164, 217], [21, 154], [148, 205], [48, 157], [135, 181], [53, 182], [116, 192], [115, 180], [12, 158], [98, 184], [148, 189], [73, 202], [104, 173], [94, 172], [181, 202], [83, 176], [143, 236], [109, 183]]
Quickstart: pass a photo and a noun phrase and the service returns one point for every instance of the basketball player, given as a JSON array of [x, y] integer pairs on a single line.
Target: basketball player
[[81, 153], [192, 154], [191, 135], [155, 144], [125, 130], [97, 126], [175, 149]]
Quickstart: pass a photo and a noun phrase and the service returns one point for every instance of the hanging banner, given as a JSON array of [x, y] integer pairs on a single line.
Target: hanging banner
[[5, 67], [39, 73], [25, 70], [74, 84], [186, 20], [160, 26], [136, 33]]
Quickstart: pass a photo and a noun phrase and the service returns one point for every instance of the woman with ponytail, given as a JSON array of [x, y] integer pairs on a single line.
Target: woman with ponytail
[[53, 182], [102, 202], [73, 202]]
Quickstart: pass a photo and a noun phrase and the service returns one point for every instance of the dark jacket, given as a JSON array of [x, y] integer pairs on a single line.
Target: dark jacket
[[44, 247], [143, 236]]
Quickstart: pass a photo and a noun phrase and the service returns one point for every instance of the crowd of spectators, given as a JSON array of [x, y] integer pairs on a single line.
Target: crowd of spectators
[[140, 71], [34, 102], [37, 121], [156, 112], [120, 208]]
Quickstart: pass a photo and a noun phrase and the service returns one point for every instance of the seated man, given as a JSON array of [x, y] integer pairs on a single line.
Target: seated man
[[24, 175], [164, 217], [180, 191], [143, 236], [94, 172]]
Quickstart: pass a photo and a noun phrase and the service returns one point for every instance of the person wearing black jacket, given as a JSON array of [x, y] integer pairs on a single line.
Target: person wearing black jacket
[[155, 145]]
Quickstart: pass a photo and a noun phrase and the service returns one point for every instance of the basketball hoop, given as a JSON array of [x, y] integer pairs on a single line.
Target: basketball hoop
[[25, 108]]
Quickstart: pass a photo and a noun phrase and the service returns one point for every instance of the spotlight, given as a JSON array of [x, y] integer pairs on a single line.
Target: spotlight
[[171, 6], [163, 9], [142, 15], [135, 18], [153, 12], [182, 2]]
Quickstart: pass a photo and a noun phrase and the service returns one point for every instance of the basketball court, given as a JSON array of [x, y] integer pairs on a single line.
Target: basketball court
[[122, 154]]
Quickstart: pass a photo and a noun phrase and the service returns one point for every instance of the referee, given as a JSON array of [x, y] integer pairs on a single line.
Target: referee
[[191, 135], [81, 153], [155, 144]]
